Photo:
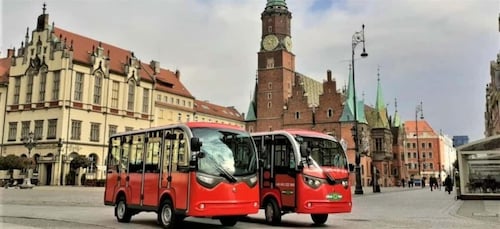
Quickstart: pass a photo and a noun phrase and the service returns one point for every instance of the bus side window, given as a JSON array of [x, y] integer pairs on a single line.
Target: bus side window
[[180, 149], [114, 156], [168, 151], [125, 153], [283, 154], [136, 154], [153, 152]]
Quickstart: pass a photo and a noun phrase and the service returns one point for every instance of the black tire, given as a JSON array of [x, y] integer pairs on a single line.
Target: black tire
[[319, 219], [122, 212], [272, 212], [166, 214], [228, 220]]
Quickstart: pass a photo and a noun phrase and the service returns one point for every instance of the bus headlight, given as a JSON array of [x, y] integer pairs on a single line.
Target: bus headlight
[[207, 180], [345, 183], [251, 181], [312, 181]]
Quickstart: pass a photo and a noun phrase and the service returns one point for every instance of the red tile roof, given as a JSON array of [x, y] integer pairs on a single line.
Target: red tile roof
[[216, 110], [423, 126], [4, 70], [82, 47]]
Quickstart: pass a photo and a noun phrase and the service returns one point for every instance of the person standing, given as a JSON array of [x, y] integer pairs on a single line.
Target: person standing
[[448, 183]]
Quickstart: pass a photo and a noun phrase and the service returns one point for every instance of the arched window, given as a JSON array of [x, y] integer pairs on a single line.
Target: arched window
[[329, 113], [93, 163]]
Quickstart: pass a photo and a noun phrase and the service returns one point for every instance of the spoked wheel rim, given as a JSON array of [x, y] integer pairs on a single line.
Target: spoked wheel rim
[[269, 212], [166, 215], [120, 209]]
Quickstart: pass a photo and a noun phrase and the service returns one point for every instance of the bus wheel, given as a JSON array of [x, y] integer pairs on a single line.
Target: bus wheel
[[229, 220], [319, 219], [122, 212], [166, 214], [272, 212]]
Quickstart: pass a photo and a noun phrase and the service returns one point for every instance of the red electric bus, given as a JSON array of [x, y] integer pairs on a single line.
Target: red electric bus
[[194, 169], [303, 172]]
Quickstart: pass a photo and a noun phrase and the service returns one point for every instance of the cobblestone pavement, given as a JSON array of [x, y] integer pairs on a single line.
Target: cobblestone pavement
[[82, 207]]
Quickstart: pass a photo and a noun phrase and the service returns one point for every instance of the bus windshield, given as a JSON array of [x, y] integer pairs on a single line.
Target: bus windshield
[[226, 152], [326, 152]]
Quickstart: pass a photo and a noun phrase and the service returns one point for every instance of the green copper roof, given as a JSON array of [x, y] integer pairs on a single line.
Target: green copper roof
[[396, 122], [252, 107], [382, 120], [348, 112], [272, 3]]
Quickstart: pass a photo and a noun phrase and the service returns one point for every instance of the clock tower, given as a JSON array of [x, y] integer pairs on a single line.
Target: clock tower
[[276, 67]]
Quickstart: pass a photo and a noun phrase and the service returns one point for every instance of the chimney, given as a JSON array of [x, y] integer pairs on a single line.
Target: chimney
[[155, 65], [177, 74], [329, 75], [11, 52]]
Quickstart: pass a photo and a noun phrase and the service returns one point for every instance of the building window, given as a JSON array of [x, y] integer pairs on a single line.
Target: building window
[[55, 86], [131, 95], [179, 117], [430, 145], [128, 128], [94, 131], [25, 129], [97, 88], [270, 63], [270, 29], [43, 82], [38, 129], [407, 145], [269, 104], [12, 131], [177, 101], [329, 113], [189, 104], [379, 144], [431, 166], [115, 91], [52, 129], [297, 115], [158, 97], [29, 88], [93, 163], [112, 129], [414, 155], [76, 129], [430, 154], [145, 101], [188, 118], [269, 95], [17, 89], [270, 85], [423, 145], [414, 145], [409, 155], [78, 86]]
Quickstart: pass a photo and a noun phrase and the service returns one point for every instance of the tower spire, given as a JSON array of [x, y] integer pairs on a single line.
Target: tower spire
[[348, 111]]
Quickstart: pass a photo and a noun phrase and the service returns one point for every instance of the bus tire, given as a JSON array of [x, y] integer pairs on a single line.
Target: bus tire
[[228, 220], [319, 219], [122, 212], [166, 214], [272, 212]]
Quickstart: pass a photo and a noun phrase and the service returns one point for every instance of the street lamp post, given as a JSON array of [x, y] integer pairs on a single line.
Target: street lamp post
[[418, 110], [358, 37], [59, 150], [30, 143]]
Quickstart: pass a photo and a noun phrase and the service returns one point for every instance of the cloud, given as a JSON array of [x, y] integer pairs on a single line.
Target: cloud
[[437, 52]]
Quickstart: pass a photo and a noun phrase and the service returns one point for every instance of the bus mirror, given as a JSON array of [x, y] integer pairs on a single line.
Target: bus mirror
[[201, 154], [351, 167], [304, 151], [195, 144]]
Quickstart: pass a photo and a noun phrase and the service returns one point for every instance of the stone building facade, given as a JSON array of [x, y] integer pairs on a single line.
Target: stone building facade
[[284, 98], [70, 89]]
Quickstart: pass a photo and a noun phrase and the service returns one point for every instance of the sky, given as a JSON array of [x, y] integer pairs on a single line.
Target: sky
[[437, 52]]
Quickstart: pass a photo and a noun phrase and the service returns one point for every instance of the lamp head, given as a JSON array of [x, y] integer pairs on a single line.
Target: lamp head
[[364, 53]]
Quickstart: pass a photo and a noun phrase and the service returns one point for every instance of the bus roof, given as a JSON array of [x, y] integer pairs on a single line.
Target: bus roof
[[301, 132], [188, 125], [213, 125]]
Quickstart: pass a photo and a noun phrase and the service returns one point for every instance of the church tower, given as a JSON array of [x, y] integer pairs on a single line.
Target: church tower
[[276, 67]]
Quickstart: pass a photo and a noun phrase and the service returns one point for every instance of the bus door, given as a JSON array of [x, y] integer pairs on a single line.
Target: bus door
[[135, 169], [284, 170], [152, 168], [264, 147], [113, 170]]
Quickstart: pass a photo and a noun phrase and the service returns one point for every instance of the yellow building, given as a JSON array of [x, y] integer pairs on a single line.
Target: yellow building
[[62, 85]]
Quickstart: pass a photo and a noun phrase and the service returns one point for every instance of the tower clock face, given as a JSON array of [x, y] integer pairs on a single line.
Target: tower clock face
[[288, 43], [270, 42]]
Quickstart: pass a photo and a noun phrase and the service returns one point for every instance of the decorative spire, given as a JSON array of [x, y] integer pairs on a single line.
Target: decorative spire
[[275, 3], [44, 8], [380, 106], [396, 122], [348, 111]]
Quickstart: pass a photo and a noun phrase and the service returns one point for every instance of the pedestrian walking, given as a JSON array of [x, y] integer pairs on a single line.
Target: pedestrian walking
[[403, 182], [448, 183]]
